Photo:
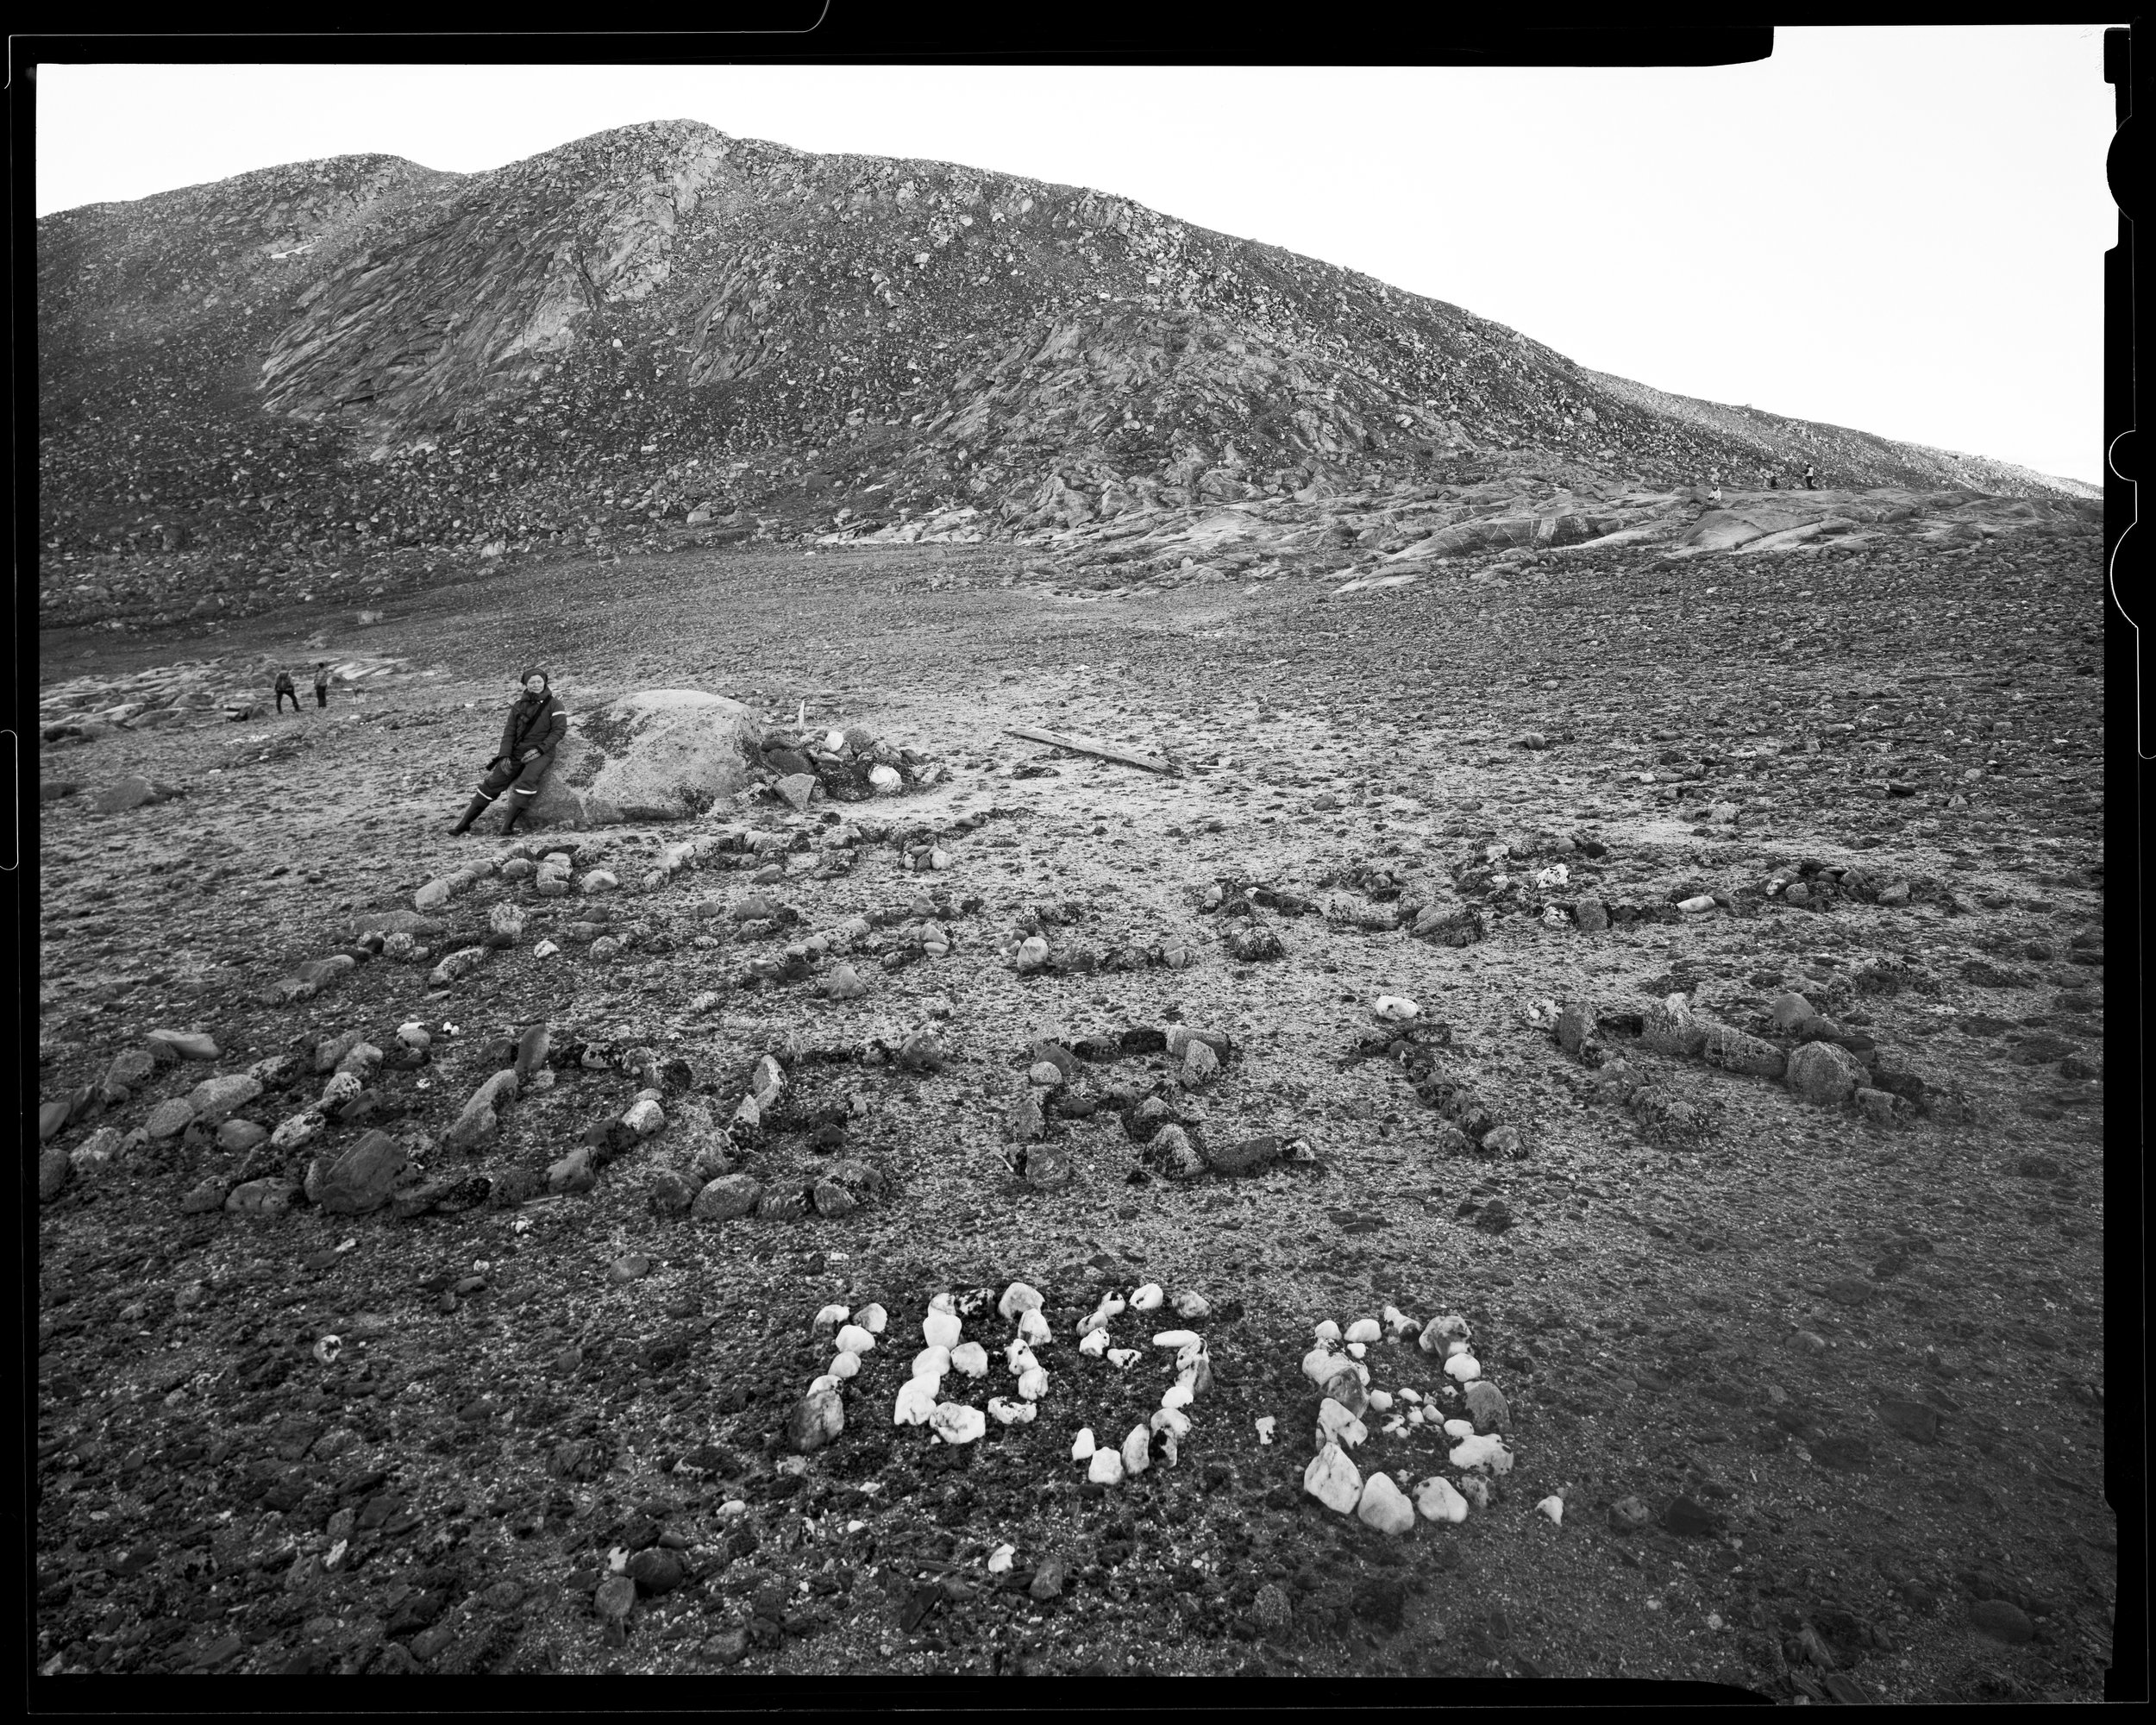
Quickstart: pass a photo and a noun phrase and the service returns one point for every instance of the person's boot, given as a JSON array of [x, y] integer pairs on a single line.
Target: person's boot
[[513, 814], [478, 808]]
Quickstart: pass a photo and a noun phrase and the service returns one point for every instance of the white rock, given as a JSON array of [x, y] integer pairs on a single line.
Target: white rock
[[1384, 1506], [1459, 1429], [942, 1329], [1483, 1452], [916, 1400], [1009, 1413], [1382, 1400], [931, 1362], [1320, 1364], [1178, 1394], [831, 1315], [546, 948], [1033, 1384], [1359, 1348], [1553, 1506], [1407, 1394], [971, 1358], [1106, 1468], [1337, 1426], [1192, 1305], [1148, 1298], [956, 1423], [1393, 1428], [1390, 1315], [1364, 1330], [1033, 1326], [942, 1302], [1138, 1452], [1439, 1501], [1416, 1416], [1175, 1339], [1000, 1559], [1020, 1358], [1455, 1347], [1463, 1368], [1017, 1298], [1397, 1008], [872, 1319], [843, 1366], [1081, 1445], [1122, 1358], [1112, 1307], [1332, 1479], [826, 1382], [1094, 1343], [1266, 1424], [855, 1339], [1171, 1420], [1328, 1331]]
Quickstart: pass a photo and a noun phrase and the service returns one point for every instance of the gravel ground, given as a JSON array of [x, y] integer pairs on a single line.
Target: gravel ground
[[1694, 1287]]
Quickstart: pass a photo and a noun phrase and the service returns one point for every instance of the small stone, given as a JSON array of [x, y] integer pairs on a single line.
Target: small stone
[[1629, 1516], [1826, 1073], [616, 1598], [1486, 1406], [956, 1423], [816, 1420], [1048, 1577], [1272, 1612], [1438, 1501], [2003, 1620], [1384, 1507], [53, 1167], [729, 1197], [1688, 1518], [1333, 1480]]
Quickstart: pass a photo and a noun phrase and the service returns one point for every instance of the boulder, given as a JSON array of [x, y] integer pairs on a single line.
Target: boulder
[[727, 1197], [658, 754], [1825, 1072], [359, 1179], [215, 1097], [1734, 1050]]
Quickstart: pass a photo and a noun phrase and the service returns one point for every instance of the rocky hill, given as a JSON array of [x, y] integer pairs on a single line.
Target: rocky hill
[[353, 373]]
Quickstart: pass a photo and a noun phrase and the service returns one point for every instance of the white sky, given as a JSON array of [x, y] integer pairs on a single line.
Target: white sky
[[1899, 230]]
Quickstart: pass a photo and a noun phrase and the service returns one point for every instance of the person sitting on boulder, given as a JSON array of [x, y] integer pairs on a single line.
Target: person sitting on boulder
[[537, 722], [285, 687]]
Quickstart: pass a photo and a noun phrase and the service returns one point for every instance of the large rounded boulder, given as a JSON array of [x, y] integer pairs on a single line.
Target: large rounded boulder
[[657, 754]]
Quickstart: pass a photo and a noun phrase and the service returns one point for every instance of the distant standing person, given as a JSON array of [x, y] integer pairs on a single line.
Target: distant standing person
[[321, 683], [537, 721], [285, 687], [1811, 477]]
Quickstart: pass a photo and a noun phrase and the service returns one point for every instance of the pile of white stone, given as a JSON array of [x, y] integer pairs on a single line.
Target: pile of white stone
[[1169, 1423], [1336, 1366]]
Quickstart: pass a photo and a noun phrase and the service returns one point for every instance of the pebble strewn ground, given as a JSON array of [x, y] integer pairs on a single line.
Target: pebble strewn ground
[[1818, 1385]]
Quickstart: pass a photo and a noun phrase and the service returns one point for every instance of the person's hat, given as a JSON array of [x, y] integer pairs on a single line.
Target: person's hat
[[531, 671]]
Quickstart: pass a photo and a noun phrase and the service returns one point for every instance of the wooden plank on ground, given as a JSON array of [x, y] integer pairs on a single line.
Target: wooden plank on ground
[[1090, 745]]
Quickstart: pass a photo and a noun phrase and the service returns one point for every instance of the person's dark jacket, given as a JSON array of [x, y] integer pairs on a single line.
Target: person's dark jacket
[[534, 722], [284, 683]]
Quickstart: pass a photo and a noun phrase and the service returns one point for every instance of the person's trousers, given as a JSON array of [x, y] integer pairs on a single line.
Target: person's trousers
[[321, 694], [284, 696], [523, 781]]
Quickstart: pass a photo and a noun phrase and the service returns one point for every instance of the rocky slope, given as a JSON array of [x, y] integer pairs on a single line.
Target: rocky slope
[[354, 375]]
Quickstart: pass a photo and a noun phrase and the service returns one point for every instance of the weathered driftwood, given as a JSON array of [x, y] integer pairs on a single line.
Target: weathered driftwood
[[1088, 745]]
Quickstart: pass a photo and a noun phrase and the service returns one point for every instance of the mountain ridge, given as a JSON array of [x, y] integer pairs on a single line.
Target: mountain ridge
[[364, 357]]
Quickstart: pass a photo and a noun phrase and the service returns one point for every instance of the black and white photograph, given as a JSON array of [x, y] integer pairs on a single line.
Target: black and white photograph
[[870, 871]]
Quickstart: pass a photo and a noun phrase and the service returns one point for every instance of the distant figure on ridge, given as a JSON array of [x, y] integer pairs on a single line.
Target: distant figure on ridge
[[285, 687], [537, 721], [1811, 477], [321, 683]]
